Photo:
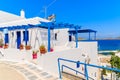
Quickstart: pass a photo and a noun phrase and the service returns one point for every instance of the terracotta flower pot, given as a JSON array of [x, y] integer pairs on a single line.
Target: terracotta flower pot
[[5, 46], [42, 51], [21, 47], [27, 47]]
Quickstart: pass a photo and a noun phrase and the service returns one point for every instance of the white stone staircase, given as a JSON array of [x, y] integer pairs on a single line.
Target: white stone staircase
[[15, 59], [30, 71]]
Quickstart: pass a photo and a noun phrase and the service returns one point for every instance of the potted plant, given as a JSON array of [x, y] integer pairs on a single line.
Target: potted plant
[[42, 49], [51, 49], [34, 54], [5, 46], [1, 43], [21, 46], [27, 47]]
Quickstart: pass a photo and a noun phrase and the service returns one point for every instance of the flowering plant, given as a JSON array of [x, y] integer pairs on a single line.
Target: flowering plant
[[35, 52], [42, 49]]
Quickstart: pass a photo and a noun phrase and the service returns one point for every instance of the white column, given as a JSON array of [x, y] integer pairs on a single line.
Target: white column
[[9, 37], [22, 37], [29, 36], [14, 39]]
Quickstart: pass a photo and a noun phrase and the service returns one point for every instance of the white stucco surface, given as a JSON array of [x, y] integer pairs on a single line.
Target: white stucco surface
[[48, 62]]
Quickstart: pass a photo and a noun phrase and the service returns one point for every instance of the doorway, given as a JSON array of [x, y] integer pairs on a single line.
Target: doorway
[[18, 39]]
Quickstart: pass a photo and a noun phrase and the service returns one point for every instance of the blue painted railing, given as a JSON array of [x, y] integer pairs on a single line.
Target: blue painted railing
[[85, 66], [64, 66]]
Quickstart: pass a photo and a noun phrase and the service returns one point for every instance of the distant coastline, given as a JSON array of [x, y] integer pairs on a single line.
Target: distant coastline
[[118, 38], [108, 39]]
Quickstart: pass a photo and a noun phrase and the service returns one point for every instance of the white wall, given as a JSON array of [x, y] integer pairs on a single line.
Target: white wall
[[62, 36], [37, 36], [90, 49], [49, 60]]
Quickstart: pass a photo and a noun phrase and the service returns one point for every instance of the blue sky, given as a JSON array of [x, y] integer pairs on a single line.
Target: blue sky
[[100, 15]]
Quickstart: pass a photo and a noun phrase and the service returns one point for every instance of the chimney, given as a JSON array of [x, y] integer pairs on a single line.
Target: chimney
[[22, 13]]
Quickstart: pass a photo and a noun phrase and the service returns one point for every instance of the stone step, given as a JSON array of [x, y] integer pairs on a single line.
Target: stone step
[[69, 76], [31, 72]]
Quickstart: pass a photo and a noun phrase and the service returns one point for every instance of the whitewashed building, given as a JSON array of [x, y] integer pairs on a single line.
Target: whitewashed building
[[13, 31]]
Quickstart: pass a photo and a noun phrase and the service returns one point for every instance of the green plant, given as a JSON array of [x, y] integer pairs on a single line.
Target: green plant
[[115, 63], [104, 72], [42, 46], [1, 42], [35, 52], [42, 49]]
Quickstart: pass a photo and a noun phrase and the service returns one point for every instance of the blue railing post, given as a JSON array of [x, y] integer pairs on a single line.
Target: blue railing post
[[76, 72], [78, 64], [60, 75], [49, 38], [86, 72]]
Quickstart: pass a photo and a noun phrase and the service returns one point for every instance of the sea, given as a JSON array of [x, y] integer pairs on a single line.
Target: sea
[[108, 45]]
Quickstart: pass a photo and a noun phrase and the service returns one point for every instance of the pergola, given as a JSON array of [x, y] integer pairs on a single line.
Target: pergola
[[84, 31], [47, 25], [61, 26]]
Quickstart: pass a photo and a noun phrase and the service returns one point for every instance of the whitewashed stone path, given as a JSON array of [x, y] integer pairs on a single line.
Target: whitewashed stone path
[[29, 71]]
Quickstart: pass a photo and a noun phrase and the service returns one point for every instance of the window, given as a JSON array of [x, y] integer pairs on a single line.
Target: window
[[55, 36]]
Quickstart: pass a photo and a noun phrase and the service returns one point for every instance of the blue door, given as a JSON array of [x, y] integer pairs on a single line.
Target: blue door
[[70, 38], [6, 38], [18, 39]]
